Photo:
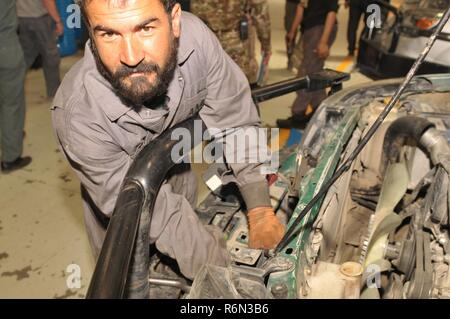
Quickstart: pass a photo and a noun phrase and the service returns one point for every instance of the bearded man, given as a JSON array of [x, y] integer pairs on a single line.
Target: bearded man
[[147, 67]]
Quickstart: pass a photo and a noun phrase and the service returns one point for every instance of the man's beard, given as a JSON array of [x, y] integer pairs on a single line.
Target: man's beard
[[140, 91]]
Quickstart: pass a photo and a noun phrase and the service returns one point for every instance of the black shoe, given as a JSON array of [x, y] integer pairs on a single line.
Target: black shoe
[[19, 163], [293, 122]]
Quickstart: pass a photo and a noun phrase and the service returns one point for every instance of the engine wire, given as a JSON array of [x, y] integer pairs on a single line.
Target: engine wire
[[288, 237]]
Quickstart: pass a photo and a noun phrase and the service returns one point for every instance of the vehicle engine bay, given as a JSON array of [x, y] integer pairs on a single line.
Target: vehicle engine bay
[[381, 231]]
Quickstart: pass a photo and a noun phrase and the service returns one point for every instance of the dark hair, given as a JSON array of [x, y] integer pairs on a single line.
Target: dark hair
[[168, 5]]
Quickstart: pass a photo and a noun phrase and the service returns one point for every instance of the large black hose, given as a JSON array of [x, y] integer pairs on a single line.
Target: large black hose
[[402, 129], [123, 264], [315, 81]]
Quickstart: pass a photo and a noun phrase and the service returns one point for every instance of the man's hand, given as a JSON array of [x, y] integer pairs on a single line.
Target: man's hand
[[322, 50], [59, 28], [289, 38], [265, 230], [50, 5]]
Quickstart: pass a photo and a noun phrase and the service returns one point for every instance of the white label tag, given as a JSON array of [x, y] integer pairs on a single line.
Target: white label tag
[[214, 183]]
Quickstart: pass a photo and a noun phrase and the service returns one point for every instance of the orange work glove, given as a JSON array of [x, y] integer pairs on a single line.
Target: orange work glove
[[265, 230]]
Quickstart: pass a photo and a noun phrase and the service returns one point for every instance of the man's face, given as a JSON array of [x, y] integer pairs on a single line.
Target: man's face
[[135, 44]]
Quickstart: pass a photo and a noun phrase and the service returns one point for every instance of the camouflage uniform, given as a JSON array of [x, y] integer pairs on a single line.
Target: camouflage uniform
[[223, 18]]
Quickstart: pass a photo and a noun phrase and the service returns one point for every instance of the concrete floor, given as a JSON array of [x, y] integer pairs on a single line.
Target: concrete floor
[[41, 224]]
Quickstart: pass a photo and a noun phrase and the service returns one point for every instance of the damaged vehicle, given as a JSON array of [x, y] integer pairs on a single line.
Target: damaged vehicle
[[381, 231], [390, 50]]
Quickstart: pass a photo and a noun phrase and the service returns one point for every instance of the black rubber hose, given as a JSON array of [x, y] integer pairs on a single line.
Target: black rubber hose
[[123, 264], [280, 88], [402, 129]]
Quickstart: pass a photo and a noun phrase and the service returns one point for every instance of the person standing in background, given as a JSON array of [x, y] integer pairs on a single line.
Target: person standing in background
[[289, 15], [357, 9], [12, 96], [39, 27], [231, 21], [319, 27]]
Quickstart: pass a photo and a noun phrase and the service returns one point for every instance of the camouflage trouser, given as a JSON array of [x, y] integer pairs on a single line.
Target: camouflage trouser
[[311, 63], [297, 55], [239, 51]]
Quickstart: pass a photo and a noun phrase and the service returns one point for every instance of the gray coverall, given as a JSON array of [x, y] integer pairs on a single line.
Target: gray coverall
[[100, 136], [12, 77]]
